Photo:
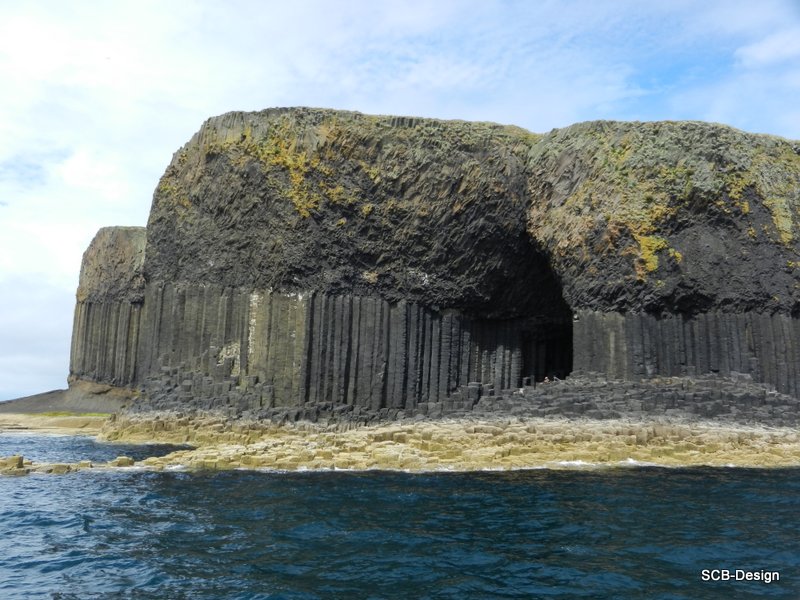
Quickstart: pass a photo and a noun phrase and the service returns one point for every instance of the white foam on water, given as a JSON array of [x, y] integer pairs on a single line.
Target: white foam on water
[[175, 468], [577, 463], [632, 462]]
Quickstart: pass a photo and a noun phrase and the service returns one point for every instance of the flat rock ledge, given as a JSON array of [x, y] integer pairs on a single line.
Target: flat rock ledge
[[586, 420], [463, 444], [582, 422], [460, 444], [18, 465]]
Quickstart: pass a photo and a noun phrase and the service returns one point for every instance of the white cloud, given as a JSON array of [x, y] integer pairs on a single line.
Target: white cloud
[[35, 325], [762, 102], [777, 47], [92, 174]]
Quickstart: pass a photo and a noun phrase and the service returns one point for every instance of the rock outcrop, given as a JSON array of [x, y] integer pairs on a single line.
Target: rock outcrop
[[105, 333], [315, 257]]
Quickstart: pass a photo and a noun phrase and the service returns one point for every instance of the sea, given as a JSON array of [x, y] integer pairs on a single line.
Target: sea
[[577, 531]]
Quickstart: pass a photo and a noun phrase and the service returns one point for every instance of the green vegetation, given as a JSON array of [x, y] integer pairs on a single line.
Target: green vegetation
[[772, 173], [649, 246], [171, 188], [593, 188], [309, 165], [639, 178], [281, 149]]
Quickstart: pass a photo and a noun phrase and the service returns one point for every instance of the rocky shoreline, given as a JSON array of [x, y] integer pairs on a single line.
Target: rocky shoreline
[[582, 422], [459, 444], [437, 446], [18, 465]]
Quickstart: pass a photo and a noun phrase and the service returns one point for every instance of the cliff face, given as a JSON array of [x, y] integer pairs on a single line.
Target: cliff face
[[111, 269], [669, 218], [304, 256], [105, 333], [311, 200]]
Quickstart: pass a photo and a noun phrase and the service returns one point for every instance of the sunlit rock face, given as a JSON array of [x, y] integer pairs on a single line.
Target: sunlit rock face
[[307, 256]]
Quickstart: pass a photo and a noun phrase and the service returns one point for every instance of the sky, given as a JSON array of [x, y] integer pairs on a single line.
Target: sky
[[95, 96]]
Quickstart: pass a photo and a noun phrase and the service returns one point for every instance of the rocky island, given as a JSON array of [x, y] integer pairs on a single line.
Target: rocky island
[[318, 270]]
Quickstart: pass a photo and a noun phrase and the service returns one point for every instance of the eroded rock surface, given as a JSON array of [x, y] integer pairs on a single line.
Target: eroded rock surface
[[299, 257], [112, 266], [670, 216]]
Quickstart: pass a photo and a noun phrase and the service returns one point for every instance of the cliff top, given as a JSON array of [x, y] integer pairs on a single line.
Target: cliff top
[[112, 265], [493, 219]]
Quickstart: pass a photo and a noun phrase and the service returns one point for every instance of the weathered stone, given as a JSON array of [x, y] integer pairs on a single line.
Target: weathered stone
[[13, 462], [338, 258]]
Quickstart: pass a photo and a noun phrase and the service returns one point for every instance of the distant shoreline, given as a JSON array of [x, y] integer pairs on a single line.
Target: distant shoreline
[[74, 400], [63, 423]]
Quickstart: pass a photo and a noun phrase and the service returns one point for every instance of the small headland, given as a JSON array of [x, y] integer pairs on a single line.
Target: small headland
[[57, 411]]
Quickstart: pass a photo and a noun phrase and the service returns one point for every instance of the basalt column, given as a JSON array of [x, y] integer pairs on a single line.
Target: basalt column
[[307, 256], [105, 332], [633, 346], [288, 350]]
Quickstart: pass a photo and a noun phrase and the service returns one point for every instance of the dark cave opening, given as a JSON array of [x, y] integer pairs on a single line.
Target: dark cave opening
[[547, 350], [546, 333]]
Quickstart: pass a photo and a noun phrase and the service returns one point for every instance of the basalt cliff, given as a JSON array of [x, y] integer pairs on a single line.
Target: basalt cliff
[[315, 259]]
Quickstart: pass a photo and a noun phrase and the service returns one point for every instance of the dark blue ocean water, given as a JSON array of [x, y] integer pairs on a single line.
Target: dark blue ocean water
[[613, 533], [74, 448]]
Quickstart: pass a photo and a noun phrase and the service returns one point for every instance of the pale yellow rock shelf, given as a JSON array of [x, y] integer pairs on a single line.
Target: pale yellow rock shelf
[[456, 445], [53, 423], [420, 446]]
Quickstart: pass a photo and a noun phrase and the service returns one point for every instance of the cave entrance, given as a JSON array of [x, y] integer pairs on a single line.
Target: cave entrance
[[546, 318], [547, 349]]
